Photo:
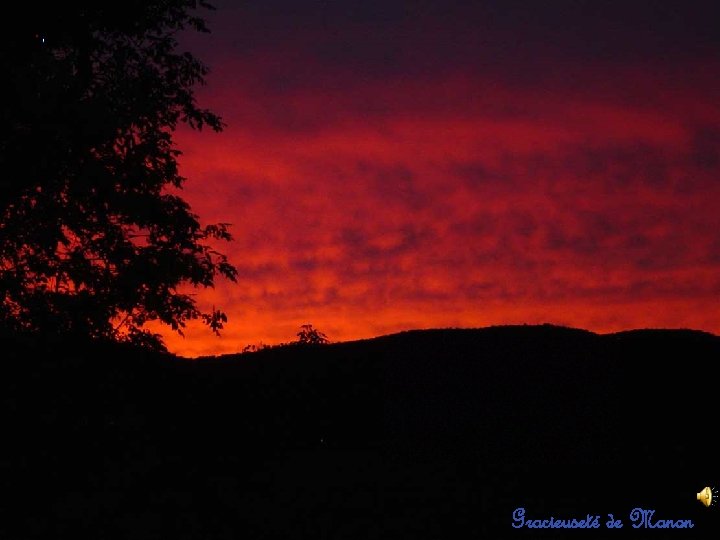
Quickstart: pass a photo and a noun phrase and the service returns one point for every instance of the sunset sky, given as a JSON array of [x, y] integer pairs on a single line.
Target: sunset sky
[[395, 165]]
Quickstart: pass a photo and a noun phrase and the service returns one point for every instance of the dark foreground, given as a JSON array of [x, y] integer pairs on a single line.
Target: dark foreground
[[435, 434]]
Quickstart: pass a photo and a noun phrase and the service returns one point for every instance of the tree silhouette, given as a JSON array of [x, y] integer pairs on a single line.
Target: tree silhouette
[[93, 240], [311, 336]]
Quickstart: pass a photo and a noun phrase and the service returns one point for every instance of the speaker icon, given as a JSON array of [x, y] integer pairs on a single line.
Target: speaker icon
[[707, 496]]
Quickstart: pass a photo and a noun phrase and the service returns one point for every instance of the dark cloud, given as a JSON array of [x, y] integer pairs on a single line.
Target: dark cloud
[[523, 40], [705, 152]]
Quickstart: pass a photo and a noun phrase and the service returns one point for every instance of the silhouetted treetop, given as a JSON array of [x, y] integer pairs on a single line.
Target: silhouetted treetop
[[91, 240], [311, 336]]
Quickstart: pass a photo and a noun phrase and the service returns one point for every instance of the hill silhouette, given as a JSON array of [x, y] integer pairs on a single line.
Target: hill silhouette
[[421, 434]]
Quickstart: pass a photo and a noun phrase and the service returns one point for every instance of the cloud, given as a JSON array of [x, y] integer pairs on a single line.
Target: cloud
[[367, 204]]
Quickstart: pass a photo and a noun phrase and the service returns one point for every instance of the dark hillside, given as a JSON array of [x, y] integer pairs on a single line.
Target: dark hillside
[[422, 434]]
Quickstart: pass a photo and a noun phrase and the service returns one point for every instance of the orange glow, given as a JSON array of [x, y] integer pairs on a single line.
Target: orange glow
[[378, 206]]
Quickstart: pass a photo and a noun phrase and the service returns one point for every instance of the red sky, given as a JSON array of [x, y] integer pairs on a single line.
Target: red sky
[[388, 169]]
